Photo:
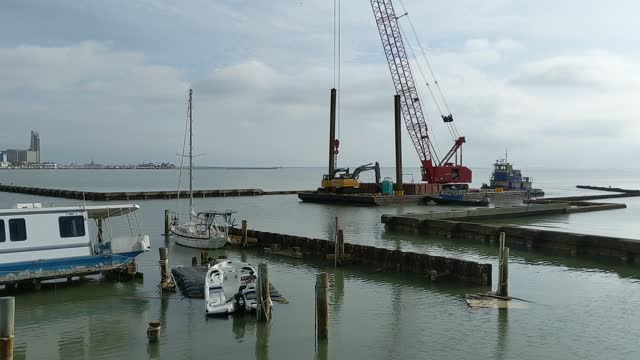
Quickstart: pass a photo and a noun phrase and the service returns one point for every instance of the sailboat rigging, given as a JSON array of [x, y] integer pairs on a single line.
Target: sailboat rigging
[[199, 229]]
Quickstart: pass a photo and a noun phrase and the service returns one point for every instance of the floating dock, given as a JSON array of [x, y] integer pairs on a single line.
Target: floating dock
[[137, 195]]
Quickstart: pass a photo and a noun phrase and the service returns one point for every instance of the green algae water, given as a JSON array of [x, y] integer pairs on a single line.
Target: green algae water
[[583, 307]]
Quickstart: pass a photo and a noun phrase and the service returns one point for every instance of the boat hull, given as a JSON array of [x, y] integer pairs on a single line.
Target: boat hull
[[63, 267], [200, 243]]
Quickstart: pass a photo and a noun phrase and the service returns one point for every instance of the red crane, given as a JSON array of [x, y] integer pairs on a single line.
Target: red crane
[[433, 170]]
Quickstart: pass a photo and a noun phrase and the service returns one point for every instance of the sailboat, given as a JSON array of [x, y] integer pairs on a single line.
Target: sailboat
[[199, 229]]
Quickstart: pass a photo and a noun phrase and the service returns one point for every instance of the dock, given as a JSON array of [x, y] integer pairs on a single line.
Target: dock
[[137, 195], [443, 268], [460, 225]]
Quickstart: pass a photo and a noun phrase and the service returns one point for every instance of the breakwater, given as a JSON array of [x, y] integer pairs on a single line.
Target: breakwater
[[627, 250], [137, 195], [386, 259]]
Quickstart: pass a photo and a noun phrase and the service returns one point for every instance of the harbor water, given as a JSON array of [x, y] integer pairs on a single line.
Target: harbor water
[[581, 307]]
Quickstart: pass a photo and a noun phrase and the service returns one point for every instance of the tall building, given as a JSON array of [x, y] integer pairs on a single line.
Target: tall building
[[35, 145]]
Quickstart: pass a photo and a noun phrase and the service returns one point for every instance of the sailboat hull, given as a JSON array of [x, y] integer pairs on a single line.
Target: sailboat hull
[[215, 242]]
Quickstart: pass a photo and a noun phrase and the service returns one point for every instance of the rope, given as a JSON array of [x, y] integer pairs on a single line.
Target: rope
[[184, 145]]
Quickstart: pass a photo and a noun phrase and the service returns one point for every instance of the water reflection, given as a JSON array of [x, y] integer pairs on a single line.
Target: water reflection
[[503, 334], [322, 350], [263, 330]]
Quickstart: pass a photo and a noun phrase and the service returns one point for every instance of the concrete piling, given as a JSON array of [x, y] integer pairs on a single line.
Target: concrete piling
[[7, 329], [263, 312], [322, 307]]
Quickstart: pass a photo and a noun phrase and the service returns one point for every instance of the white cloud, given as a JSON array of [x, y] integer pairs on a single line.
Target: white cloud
[[599, 70]]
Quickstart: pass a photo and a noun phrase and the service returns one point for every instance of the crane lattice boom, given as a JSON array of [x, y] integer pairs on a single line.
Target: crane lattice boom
[[412, 113]]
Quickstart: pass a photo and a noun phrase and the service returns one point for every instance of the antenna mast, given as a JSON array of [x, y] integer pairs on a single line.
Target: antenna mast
[[190, 152]]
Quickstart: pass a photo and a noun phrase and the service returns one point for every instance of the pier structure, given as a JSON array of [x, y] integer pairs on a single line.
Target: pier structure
[[462, 224], [385, 259], [137, 195]]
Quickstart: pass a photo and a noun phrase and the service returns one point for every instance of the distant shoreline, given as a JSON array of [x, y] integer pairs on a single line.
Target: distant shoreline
[[152, 168]]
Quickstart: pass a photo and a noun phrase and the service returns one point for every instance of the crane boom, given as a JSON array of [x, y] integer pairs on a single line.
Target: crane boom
[[411, 108]]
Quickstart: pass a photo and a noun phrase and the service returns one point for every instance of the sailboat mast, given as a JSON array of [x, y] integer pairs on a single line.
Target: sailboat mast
[[190, 152]]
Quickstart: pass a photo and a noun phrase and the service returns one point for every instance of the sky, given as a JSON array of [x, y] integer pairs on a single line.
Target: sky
[[555, 82]]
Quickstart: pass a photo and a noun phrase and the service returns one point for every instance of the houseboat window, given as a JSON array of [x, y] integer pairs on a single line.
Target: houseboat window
[[17, 230], [71, 226], [3, 237]]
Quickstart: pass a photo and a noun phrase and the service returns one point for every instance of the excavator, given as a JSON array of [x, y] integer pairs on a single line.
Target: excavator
[[344, 181]]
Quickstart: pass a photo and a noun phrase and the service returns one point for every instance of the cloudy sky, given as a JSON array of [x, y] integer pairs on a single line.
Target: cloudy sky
[[558, 82]]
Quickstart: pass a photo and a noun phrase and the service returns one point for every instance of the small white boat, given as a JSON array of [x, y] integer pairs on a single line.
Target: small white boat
[[204, 229], [230, 286], [39, 243]]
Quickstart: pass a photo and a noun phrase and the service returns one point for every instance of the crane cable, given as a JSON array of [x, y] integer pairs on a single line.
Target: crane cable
[[435, 146], [450, 125]]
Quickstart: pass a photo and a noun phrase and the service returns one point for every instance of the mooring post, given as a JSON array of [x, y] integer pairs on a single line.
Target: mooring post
[[264, 302], [503, 268], [398, 128], [505, 273], [243, 235], [153, 331], [500, 259], [166, 281], [322, 307], [7, 330], [167, 223]]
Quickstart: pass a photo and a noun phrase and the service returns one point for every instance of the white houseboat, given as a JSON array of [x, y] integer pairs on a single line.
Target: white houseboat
[[39, 243]]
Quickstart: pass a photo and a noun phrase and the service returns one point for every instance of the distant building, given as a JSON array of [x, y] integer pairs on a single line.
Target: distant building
[[17, 157], [3, 160], [35, 146]]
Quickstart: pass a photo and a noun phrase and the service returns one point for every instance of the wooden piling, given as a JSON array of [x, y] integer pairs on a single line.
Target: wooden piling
[[263, 312], [505, 273], [153, 331], [167, 223], [500, 254], [243, 234], [7, 329], [322, 307], [166, 281], [503, 267]]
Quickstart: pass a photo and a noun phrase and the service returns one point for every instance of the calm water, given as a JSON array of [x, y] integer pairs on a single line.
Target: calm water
[[585, 308]]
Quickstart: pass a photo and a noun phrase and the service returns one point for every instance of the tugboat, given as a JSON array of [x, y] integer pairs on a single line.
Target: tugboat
[[505, 179]]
